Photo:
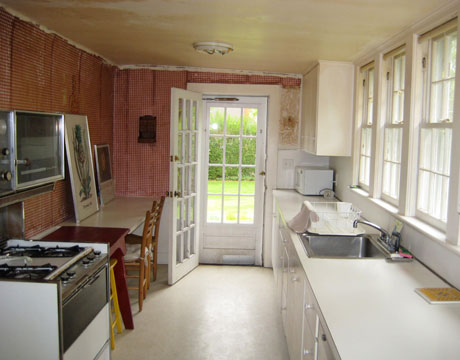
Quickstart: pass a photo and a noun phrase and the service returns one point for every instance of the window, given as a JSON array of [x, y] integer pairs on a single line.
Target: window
[[367, 111], [439, 67], [395, 63]]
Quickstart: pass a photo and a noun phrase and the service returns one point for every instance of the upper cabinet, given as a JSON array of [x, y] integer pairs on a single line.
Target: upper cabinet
[[327, 109]]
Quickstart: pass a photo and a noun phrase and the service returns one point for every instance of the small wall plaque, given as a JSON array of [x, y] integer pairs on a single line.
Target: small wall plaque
[[147, 129]]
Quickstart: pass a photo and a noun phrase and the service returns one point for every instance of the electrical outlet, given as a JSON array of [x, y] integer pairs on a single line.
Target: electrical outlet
[[288, 164]]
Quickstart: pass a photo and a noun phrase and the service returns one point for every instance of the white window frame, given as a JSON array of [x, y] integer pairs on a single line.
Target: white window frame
[[366, 122], [425, 47], [389, 66]]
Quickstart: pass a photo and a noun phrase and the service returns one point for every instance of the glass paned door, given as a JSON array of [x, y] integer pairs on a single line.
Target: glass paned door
[[184, 173], [233, 192], [232, 164]]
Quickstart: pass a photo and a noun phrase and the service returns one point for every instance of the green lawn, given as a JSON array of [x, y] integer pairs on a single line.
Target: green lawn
[[231, 202], [231, 187]]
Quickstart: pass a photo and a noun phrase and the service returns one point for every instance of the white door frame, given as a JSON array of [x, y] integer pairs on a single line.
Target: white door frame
[[273, 92], [219, 239]]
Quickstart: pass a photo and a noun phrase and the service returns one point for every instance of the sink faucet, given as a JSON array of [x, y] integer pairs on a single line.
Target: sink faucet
[[384, 235]]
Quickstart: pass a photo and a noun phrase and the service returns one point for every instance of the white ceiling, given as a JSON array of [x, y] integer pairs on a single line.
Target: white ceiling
[[282, 36]]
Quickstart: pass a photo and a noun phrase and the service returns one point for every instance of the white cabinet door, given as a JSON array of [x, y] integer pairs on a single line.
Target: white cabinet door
[[284, 287], [308, 344], [327, 109]]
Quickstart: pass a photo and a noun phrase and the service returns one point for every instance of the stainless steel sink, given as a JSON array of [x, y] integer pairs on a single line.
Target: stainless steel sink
[[325, 246]]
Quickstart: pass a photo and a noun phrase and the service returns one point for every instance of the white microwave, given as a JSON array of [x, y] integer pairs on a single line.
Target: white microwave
[[312, 180]]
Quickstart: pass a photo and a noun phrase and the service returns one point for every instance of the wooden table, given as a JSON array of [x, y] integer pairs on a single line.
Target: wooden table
[[116, 238]]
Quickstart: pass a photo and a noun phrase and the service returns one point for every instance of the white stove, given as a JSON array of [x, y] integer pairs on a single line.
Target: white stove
[[53, 292]]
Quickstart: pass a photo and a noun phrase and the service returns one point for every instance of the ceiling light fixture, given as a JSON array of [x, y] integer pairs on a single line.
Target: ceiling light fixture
[[211, 47]]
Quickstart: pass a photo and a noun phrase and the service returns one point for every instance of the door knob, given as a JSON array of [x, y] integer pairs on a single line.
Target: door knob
[[177, 193], [262, 173]]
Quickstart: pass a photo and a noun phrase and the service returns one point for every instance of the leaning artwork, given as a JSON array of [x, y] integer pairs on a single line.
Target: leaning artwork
[[80, 161]]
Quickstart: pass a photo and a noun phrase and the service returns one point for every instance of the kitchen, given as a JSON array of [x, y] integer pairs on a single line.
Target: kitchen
[[67, 77]]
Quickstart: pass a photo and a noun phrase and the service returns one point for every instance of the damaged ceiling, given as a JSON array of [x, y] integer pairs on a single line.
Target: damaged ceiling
[[282, 36]]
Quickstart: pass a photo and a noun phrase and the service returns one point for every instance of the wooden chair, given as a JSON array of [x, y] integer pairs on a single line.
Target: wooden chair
[[138, 259], [157, 209]]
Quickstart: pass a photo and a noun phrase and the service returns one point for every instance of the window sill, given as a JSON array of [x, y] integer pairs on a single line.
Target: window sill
[[422, 227]]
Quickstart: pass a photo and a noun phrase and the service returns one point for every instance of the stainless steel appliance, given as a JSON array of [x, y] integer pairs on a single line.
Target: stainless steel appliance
[[55, 296], [31, 149]]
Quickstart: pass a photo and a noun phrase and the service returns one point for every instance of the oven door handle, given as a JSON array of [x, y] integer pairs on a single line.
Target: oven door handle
[[91, 281]]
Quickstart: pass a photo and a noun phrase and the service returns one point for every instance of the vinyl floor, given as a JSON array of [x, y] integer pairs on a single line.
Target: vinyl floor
[[215, 312]]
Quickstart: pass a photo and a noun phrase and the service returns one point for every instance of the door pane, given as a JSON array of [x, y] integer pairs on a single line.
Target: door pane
[[215, 179], [186, 254], [181, 115], [231, 180], [192, 211], [216, 120], [230, 209], [179, 148], [188, 105], [179, 248], [247, 209], [214, 212], [179, 188], [193, 179], [216, 145], [186, 213], [249, 151], [250, 121], [192, 241], [248, 181], [194, 115], [186, 148], [179, 215], [233, 121], [193, 150], [232, 150], [187, 181]]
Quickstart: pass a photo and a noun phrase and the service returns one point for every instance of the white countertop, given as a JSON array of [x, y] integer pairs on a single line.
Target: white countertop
[[121, 212], [371, 308]]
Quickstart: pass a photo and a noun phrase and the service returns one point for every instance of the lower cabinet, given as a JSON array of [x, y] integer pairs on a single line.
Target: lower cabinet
[[305, 334]]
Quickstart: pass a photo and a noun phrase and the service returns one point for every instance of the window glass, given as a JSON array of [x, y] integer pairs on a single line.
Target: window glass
[[436, 132]]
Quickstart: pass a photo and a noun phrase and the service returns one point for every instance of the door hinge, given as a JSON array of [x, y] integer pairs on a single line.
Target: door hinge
[[388, 75], [364, 82], [424, 62]]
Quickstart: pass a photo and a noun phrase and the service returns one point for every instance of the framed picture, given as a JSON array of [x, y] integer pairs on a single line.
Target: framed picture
[[80, 160], [104, 173]]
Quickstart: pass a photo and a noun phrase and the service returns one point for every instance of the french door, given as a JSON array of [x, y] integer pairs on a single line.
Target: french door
[[184, 183], [233, 181]]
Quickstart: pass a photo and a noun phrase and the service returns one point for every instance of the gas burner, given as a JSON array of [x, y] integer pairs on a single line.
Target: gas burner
[[40, 251], [26, 272]]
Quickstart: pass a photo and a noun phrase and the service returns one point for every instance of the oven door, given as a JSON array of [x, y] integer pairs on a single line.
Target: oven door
[[39, 148], [82, 306]]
